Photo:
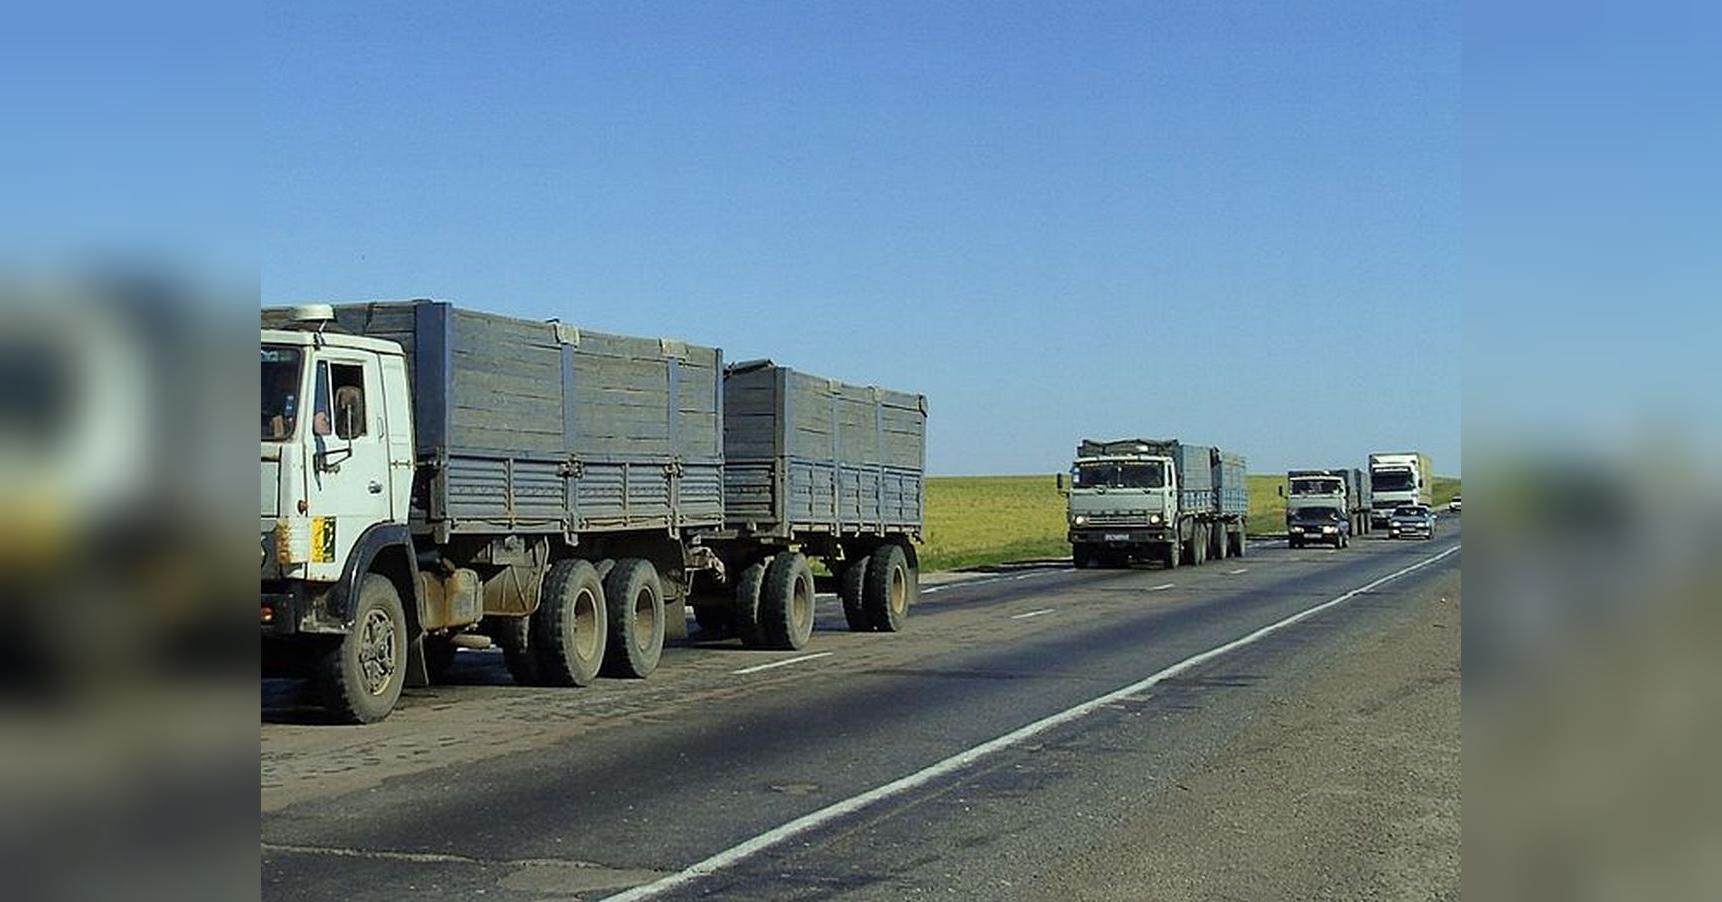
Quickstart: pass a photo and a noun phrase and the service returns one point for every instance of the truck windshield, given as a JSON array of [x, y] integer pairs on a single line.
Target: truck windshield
[[281, 387], [1392, 480], [1316, 487], [1119, 475]]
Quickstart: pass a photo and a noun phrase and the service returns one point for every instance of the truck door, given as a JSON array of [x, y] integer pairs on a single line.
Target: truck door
[[348, 480]]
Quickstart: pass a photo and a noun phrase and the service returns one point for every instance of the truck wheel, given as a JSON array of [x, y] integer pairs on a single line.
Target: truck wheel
[[513, 635], [360, 677], [1081, 556], [634, 600], [786, 603], [850, 585], [568, 630], [1243, 541], [890, 588], [1199, 546], [748, 586], [1172, 554]]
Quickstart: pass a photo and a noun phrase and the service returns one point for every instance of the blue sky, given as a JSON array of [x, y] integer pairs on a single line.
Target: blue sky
[[1233, 223]]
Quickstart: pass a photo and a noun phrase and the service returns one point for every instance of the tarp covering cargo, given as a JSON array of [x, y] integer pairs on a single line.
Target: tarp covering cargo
[[804, 453], [545, 427]]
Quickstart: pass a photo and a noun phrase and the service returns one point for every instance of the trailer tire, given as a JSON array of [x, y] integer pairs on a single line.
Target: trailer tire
[[851, 583], [634, 599], [568, 631], [890, 589], [1243, 539], [1199, 545], [786, 603], [748, 586], [361, 676]]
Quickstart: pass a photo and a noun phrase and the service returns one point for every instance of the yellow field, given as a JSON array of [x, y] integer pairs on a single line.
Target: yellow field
[[973, 520], [977, 520]]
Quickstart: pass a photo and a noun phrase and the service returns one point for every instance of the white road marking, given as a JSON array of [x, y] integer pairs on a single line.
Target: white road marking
[[1162, 587], [1238, 571], [758, 667], [1031, 614], [932, 590], [809, 822]]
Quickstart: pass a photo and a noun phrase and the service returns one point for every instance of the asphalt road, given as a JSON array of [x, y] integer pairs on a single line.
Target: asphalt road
[[486, 790]]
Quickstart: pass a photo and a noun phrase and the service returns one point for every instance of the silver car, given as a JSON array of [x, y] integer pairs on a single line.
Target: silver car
[[1412, 521]]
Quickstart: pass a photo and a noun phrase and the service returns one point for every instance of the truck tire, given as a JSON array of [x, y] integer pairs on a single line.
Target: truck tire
[[568, 631], [1243, 540], [786, 603], [1198, 545], [890, 589], [748, 586], [850, 585], [634, 599], [360, 677], [514, 636], [1172, 556]]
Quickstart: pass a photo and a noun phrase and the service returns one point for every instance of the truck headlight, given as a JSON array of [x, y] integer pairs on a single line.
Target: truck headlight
[[1154, 519], [1079, 519], [1295, 529], [1330, 530]]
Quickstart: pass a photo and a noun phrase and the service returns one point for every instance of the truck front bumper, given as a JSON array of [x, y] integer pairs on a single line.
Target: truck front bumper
[[289, 608], [1120, 535]]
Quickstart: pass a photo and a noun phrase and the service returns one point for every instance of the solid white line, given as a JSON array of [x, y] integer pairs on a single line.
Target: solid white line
[[932, 590], [1238, 571], [808, 822], [1162, 587], [1031, 614], [758, 667]]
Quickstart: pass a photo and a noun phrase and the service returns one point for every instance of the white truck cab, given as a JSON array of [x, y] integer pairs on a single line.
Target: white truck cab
[[337, 474]]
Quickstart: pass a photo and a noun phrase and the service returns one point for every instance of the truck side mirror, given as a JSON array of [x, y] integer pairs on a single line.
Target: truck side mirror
[[1061, 488], [1282, 491]]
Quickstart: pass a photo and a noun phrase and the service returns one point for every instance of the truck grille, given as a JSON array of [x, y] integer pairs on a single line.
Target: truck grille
[[1118, 518]]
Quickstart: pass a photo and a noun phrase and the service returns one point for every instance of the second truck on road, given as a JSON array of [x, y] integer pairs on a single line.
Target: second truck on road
[[1160, 500]]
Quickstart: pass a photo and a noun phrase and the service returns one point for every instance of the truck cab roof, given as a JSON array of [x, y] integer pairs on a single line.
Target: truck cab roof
[[330, 338]]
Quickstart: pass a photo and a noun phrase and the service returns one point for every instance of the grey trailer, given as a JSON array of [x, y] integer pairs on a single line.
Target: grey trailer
[[562, 481], [816, 468]]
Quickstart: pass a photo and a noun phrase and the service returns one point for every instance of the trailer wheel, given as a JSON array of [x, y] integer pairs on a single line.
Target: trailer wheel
[[851, 583], [361, 676], [513, 635], [786, 602], [1198, 545], [1242, 538], [748, 586], [890, 589], [634, 599], [568, 630]]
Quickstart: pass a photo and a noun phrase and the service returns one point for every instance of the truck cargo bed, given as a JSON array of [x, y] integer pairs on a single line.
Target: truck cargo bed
[[807, 454]]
